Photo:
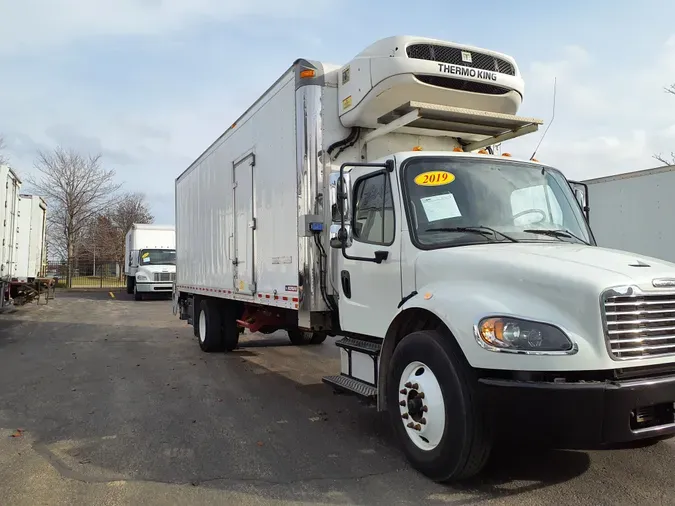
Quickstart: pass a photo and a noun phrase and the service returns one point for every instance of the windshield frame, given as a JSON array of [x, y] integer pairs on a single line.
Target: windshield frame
[[407, 202], [143, 264]]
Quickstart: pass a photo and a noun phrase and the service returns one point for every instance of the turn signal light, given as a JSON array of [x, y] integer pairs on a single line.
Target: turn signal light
[[304, 74]]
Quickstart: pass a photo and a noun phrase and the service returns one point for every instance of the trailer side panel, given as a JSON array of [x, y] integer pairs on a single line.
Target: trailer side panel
[[237, 208]]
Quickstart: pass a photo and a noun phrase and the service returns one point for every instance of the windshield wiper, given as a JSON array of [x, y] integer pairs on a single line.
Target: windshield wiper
[[479, 229], [555, 233]]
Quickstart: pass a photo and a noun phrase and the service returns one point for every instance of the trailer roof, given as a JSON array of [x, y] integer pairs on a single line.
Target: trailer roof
[[628, 175]]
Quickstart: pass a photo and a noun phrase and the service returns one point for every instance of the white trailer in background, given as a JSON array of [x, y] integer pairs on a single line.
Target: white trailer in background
[[364, 200], [10, 185], [31, 235], [150, 259], [635, 211]]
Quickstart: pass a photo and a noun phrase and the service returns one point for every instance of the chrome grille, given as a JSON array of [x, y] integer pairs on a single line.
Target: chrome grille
[[453, 55], [640, 325], [165, 276]]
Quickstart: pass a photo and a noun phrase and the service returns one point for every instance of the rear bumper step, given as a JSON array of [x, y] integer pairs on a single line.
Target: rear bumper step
[[351, 385]]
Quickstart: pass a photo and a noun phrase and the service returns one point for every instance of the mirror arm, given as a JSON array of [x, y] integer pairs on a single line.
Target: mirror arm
[[380, 256]]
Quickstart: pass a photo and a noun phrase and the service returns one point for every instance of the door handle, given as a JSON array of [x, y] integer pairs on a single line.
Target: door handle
[[346, 284]]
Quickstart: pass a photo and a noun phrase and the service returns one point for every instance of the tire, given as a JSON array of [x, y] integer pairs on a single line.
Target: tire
[[454, 442], [137, 295], [216, 326], [302, 337], [130, 285], [209, 323]]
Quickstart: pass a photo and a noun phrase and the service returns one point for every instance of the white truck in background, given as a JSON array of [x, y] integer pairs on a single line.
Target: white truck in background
[[365, 200], [10, 186], [631, 211], [150, 259], [31, 237]]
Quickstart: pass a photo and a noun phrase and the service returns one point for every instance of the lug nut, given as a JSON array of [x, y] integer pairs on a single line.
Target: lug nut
[[411, 425], [415, 386], [408, 385], [404, 391], [423, 421], [425, 408], [421, 395], [418, 427], [404, 416], [402, 403]]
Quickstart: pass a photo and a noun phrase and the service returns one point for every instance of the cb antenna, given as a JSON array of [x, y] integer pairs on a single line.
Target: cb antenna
[[550, 123]]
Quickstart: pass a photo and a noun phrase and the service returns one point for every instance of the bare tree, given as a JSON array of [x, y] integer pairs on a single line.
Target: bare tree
[[77, 189], [3, 158], [131, 209], [103, 237], [670, 89]]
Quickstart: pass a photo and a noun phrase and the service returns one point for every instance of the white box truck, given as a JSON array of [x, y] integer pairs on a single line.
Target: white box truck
[[10, 185], [31, 236], [631, 211], [366, 200], [150, 259]]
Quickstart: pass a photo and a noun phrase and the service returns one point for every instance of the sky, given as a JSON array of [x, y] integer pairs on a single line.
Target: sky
[[150, 84]]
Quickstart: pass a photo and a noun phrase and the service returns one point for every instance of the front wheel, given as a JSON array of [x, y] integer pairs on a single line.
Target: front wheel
[[432, 403], [137, 295]]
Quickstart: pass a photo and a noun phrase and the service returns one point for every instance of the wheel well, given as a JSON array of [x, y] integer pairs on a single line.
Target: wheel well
[[406, 322]]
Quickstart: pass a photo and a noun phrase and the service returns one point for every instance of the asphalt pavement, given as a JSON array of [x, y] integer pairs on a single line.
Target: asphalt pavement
[[109, 401]]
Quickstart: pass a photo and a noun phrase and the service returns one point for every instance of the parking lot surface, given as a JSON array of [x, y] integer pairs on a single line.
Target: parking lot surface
[[109, 401]]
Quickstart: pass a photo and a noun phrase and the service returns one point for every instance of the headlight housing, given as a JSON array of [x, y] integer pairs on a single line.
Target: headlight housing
[[515, 335], [141, 277]]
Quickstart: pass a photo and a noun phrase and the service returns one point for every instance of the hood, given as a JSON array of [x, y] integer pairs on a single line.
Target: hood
[[156, 268], [557, 263]]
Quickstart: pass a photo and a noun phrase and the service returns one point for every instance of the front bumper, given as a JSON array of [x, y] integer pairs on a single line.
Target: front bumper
[[152, 287], [581, 415]]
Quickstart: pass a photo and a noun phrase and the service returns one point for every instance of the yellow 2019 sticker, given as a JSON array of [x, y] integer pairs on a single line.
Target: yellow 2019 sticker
[[145, 255], [434, 178]]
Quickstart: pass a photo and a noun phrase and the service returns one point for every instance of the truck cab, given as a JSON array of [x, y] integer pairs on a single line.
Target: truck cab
[[476, 277], [150, 260]]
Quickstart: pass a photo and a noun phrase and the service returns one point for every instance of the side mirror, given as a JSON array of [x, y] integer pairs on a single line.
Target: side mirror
[[340, 202], [580, 191]]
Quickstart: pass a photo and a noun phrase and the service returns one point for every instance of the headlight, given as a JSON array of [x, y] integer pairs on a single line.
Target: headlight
[[141, 277], [516, 335]]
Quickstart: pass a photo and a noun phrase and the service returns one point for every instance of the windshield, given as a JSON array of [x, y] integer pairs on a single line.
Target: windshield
[[457, 201], [158, 256]]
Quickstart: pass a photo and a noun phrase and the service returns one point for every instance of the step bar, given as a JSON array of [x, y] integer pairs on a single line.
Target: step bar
[[359, 367]]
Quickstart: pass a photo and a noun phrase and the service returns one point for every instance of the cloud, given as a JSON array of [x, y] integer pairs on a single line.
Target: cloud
[[610, 116], [35, 24]]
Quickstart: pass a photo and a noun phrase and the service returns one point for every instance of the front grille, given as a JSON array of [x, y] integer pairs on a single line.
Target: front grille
[[165, 276], [641, 325], [453, 55], [459, 84]]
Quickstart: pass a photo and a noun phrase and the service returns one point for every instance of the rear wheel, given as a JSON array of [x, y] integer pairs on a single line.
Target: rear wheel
[[432, 403], [302, 337], [209, 324], [216, 325]]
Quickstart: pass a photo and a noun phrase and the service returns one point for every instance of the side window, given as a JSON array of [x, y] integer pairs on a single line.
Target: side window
[[533, 199], [373, 218]]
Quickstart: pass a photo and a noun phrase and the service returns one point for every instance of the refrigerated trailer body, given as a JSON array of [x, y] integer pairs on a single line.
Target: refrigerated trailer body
[[31, 235], [366, 200], [150, 259], [10, 185], [632, 211]]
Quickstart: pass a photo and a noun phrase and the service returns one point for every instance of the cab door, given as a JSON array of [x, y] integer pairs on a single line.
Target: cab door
[[369, 259]]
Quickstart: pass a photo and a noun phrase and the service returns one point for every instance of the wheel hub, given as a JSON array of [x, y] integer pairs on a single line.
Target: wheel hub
[[421, 406]]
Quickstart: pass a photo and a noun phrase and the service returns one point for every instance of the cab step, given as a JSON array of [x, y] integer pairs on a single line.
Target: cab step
[[367, 347], [351, 385], [359, 364]]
